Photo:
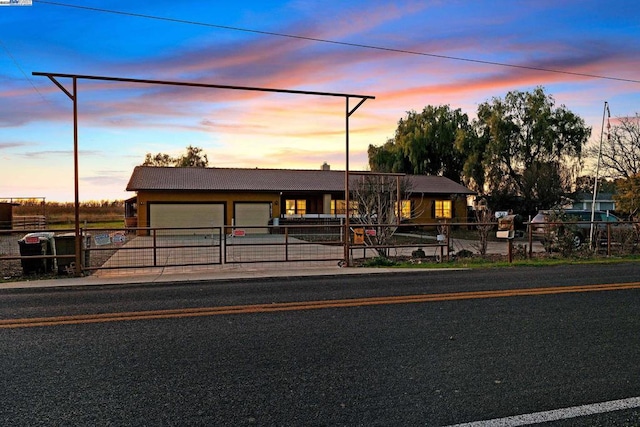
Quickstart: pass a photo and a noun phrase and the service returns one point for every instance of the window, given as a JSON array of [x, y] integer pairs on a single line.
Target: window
[[296, 207], [405, 209], [338, 207], [443, 209]]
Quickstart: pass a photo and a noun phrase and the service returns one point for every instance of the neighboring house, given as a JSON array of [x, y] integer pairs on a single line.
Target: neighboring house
[[206, 197], [604, 202]]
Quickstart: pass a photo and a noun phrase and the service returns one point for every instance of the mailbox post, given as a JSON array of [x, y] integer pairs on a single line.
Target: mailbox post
[[506, 230]]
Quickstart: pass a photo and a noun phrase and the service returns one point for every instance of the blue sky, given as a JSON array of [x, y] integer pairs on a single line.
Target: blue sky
[[242, 44]]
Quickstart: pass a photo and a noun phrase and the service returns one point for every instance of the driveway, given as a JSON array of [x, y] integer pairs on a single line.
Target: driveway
[[176, 254]]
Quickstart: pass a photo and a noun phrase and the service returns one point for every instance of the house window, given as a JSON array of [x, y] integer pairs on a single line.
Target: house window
[[338, 207], [296, 207], [405, 209], [443, 209]]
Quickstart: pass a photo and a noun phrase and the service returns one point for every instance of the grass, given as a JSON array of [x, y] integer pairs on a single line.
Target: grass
[[98, 224], [478, 262]]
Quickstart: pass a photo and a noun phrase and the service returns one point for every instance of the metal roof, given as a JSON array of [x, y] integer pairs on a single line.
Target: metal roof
[[150, 178]]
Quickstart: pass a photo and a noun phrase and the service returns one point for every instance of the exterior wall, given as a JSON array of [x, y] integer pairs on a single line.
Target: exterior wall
[[423, 209], [145, 198]]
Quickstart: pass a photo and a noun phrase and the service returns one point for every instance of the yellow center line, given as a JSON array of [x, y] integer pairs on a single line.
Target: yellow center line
[[302, 305]]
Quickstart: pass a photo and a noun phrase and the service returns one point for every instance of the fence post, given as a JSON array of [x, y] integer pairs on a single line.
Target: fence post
[[286, 243], [223, 245], [530, 233], [155, 249]]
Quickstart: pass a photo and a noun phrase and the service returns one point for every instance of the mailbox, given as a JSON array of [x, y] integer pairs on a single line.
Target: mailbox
[[506, 227], [358, 236]]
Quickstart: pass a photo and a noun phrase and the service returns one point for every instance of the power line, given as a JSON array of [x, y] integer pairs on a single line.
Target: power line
[[15, 62], [358, 45]]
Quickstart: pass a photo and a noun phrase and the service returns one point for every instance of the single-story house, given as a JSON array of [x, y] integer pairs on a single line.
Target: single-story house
[[206, 197]]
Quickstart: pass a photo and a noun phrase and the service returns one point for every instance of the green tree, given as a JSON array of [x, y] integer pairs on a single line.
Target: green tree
[[627, 195], [532, 150], [473, 146], [160, 159], [424, 143], [194, 157], [388, 158], [584, 184]]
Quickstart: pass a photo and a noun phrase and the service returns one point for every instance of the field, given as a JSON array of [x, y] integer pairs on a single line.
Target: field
[[62, 215]]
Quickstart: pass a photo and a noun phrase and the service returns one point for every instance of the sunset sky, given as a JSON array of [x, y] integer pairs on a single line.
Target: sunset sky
[[408, 54]]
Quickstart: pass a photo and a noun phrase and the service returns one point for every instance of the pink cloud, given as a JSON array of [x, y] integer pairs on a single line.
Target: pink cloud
[[399, 81]]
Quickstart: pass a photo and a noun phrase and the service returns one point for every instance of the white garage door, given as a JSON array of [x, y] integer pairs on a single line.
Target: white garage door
[[252, 214], [187, 215]]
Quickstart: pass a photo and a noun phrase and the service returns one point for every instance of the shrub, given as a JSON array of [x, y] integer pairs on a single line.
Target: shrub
[[379, 262]]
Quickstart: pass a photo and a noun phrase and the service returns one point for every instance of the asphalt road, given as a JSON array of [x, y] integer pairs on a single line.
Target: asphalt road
[[193, 357]]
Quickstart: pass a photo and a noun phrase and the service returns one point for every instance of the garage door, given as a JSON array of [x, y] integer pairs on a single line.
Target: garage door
[[177, 215], [253, 214]]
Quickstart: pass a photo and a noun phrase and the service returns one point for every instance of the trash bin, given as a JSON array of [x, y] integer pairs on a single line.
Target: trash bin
[[66, 245], [36, 245]]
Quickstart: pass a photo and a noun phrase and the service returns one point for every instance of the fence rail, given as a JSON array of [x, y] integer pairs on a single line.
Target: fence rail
[[24, 222], [123, 250]]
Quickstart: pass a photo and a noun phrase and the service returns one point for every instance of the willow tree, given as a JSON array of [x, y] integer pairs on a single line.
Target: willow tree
[[424, 144], [532, 149]]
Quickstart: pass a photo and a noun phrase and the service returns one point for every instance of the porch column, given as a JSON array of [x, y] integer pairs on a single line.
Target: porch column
[[326, 204]]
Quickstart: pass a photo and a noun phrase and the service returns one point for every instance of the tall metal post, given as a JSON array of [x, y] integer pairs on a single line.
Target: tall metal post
[[398, 195], [347, 234], [73, 97], [595, 183], [76, 179]]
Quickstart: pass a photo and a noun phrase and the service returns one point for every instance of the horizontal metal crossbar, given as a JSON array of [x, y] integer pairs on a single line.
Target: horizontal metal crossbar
[[201, 85]]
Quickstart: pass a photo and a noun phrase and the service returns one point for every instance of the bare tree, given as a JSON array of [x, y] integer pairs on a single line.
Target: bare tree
[[620, 155], [380, 198], [486, 222]]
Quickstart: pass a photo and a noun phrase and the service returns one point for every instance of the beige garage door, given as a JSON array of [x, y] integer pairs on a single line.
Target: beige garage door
[[187, 215], [252, 214]]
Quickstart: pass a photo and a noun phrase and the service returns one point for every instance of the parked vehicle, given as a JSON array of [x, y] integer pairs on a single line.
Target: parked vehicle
[[548, 226]]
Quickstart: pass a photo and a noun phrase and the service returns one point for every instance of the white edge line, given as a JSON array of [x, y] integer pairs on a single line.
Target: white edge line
[[557, 414]]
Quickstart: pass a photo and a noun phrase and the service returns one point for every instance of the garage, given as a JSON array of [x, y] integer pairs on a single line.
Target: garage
[[252, 214], [188, 215]]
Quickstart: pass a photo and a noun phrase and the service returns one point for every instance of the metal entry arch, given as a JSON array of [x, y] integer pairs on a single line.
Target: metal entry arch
[[73, 95]]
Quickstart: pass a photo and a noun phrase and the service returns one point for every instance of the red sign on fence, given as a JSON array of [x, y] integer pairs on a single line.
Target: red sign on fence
[[238, 233]]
